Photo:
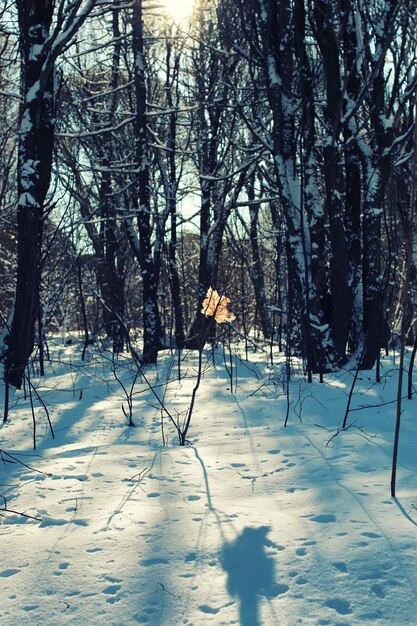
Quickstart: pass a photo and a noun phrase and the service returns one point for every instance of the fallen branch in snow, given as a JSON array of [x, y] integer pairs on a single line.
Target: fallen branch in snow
[[7, 510], [253, 479], [375, 406], [138, 474], [339, 430], [13, 459], [162, 586]]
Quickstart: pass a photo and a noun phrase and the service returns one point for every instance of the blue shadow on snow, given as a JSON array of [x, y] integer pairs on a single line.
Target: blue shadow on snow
[[250, 572]]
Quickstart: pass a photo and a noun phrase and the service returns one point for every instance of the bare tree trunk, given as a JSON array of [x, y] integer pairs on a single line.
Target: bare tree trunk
[[341, 299], [151, 317], [39, 48], [36, 140], [256, 270]]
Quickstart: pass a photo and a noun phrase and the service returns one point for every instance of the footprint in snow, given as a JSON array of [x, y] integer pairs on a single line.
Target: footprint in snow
[[341, 567], [111, 579], [79, 477], [208, 609], [94, 549], [9, 572], [49, 521], [278, 589], [154, 561], [339, 605], [111, 590], [323, 519], [378, 590], [61, 567]]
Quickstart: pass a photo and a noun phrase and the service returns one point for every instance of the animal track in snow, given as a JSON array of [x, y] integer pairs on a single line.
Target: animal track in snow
[[341, 567], [378, 590], [207, 609], [294, 489], [339, 605], [278, 589], [324, 518], [6, 573], [154, 561], [111, 589], [94, 549]]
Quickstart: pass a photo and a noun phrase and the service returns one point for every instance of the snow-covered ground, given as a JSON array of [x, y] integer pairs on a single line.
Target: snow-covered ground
[[248, 524]]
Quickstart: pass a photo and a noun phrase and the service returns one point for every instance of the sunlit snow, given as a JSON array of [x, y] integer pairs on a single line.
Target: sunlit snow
[[248, 524]]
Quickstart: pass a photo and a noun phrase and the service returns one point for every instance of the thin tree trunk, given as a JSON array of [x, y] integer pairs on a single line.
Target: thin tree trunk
[[151, 317]]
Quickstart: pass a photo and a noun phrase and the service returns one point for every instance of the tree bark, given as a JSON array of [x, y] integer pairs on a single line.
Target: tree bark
[[151, 317], [36, 138]]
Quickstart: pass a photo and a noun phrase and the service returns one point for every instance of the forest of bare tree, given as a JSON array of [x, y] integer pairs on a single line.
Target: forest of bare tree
[[208, 312], [265, 148]]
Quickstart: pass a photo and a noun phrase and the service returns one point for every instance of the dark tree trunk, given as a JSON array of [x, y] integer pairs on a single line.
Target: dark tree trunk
[[277, 33], [351, 152], [171, 193], [377, 167], [36, 139], [151, 318], [340, 290]]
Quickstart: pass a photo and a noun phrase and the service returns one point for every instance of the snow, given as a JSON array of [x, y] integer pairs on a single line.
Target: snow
[[26, 199], [249, 524], [33, 92], [28, 172], [274, 79], [35, 52], [26, 124]]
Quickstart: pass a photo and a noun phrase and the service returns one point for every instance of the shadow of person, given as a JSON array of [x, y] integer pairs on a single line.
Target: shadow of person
[[250, 571]]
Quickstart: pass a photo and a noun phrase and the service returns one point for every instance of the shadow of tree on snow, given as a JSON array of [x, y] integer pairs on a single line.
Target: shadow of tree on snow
[[250, 572]]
